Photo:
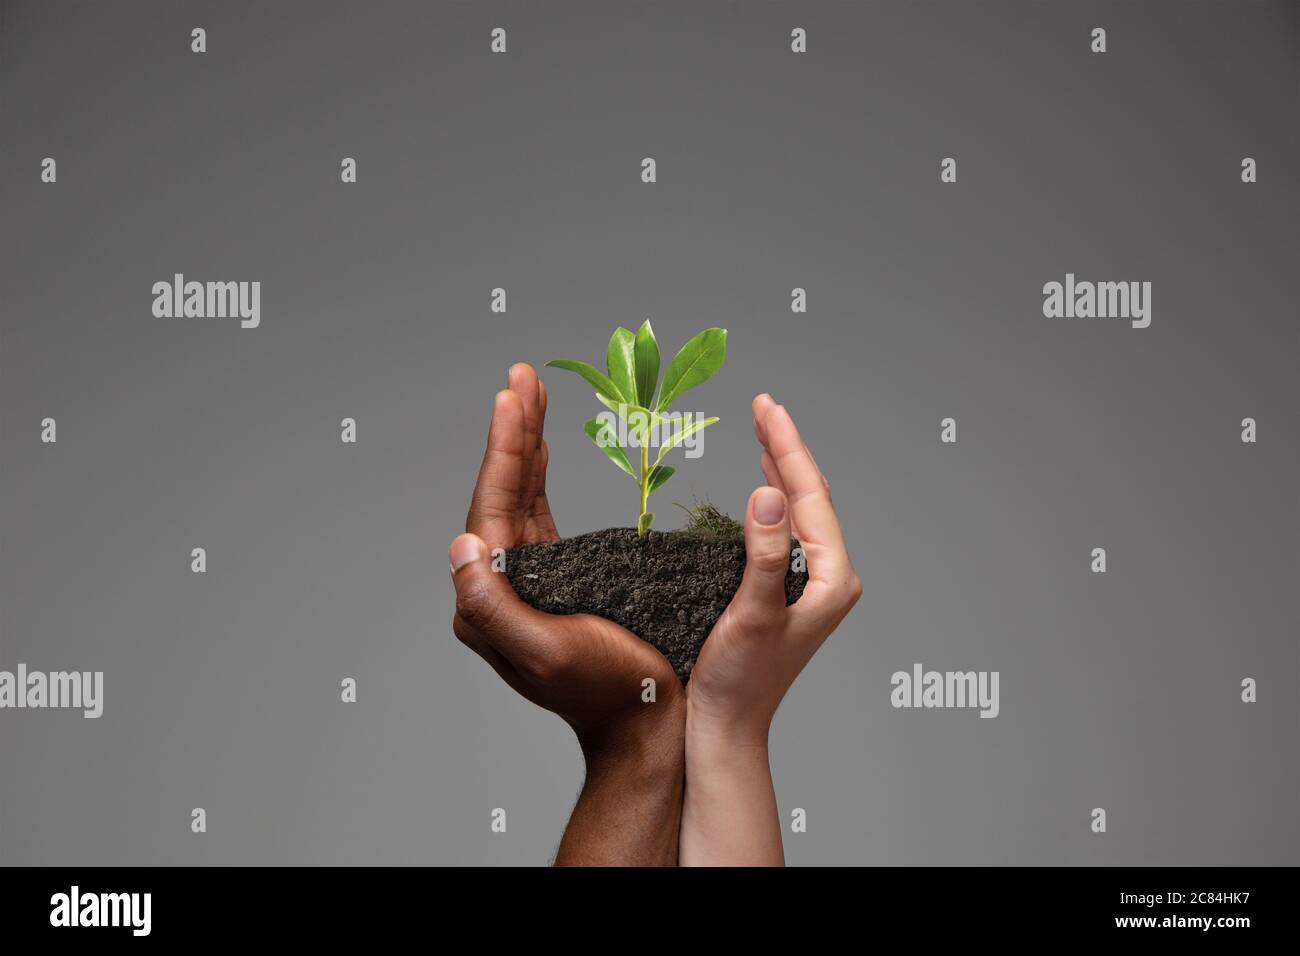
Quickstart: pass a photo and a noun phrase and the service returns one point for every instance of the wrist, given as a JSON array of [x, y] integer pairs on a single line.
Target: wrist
[[629, 811], [726, 722], [729, 814], [647, 743], [718, 742]]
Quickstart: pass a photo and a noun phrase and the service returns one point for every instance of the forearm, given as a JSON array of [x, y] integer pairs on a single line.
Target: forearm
[[629, 812], [729, 814]]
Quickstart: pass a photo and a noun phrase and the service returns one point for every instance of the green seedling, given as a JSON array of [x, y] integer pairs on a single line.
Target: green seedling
[[628, 391]]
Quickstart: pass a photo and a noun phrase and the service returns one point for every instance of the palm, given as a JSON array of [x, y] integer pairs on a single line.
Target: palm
[[724, 658]]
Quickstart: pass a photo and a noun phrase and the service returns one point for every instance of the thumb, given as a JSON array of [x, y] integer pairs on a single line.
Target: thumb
[[488, 605], [767, 556]]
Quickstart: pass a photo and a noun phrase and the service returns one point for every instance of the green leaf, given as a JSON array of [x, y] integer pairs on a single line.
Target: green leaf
[[621, 363], [644, 523], [626, 410], [604, 438], [679, 435], [629, 412], [698, 360], [593, 376], [646, 353], [659, 475], [635, 416]]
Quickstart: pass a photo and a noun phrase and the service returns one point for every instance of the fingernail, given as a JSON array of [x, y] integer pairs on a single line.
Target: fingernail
[[465, 549], [769, 507]]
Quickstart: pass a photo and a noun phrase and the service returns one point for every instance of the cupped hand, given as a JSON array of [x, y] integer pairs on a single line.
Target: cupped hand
[[585, 669], [759, 644]]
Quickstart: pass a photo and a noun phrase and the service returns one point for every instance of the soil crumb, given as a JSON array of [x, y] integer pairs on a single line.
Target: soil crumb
[[668, 588]]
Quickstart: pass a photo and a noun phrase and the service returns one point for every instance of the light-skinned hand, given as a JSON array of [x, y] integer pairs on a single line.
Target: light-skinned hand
[[757, 649]]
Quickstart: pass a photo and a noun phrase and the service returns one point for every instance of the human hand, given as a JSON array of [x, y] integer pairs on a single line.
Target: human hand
[[759, 645], [757, 649], [587, 670]]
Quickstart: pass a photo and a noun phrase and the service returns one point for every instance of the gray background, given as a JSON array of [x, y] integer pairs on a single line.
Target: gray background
[[775, 170]]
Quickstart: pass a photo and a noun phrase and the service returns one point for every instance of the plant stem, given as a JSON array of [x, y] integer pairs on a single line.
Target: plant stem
[[645, 480]]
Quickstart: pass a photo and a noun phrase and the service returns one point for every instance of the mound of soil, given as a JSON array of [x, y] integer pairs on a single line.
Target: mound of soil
[[668, 588]]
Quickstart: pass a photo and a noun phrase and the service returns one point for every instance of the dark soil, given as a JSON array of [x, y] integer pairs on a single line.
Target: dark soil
[[668, 588]]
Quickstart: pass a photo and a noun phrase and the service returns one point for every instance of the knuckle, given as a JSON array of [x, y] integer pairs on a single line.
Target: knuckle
[[769, 559], [477, 604], [844, 598], [464, 633], [494, 501], [752, 616]]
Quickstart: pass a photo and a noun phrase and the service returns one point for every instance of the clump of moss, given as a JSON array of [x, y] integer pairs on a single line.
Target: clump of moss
[[706, 518]]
